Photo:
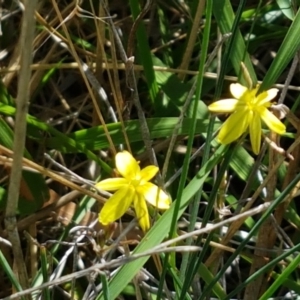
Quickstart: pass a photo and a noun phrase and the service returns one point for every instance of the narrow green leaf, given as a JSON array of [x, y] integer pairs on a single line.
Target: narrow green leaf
[[44, 267], [278, 282], [144, 51], [224, 16], [285, 54], [10, 273], [95, 138]]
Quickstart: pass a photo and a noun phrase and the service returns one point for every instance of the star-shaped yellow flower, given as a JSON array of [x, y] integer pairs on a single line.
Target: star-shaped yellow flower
[[248, 109], [133, 188]]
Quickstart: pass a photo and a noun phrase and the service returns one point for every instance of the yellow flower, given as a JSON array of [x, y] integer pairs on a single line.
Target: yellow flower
[[134, 188], [248, 109]]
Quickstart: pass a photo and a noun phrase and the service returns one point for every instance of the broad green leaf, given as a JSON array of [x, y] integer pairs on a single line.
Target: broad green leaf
[[286, 8]]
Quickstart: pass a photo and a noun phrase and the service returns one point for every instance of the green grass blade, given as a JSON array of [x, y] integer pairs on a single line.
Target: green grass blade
[[94, 138], [106, 295], [285, 54], [280, 279], [207, 276], [44, 267], [263, 270], [10, 273], [224, 16], [197, 258], [196, 202], [145, 52]]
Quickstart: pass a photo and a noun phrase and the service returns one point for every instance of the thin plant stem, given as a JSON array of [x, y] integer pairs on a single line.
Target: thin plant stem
[[22, 103]]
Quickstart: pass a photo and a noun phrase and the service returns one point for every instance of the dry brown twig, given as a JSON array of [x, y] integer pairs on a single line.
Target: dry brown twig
[[22, 101]]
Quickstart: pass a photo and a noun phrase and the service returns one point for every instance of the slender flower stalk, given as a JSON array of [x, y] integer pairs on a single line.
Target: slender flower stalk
[[247, 110], [133, 188]]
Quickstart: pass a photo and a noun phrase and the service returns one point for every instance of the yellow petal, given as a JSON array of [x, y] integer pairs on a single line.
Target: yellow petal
[[154, 195], [141, 211], [126, 165], [223, 106], [111, 184], [148, 173], [255, 133], [234, 127], [266, 96], [116, 205], [272, 121], [237, 90]]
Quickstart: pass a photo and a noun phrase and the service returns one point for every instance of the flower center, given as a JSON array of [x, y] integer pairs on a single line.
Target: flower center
[[251, 100], [250, 105], [136, 181]]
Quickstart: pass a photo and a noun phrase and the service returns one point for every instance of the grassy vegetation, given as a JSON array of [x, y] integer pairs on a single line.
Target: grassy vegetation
[[87, 79]]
